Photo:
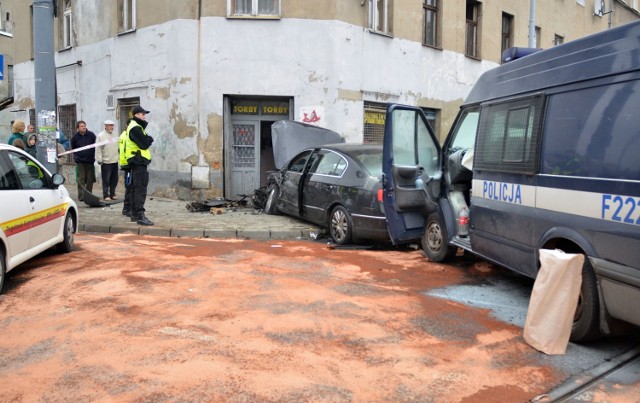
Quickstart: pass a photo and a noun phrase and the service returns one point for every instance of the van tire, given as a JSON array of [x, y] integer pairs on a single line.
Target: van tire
[[586, 321], [435, 240]]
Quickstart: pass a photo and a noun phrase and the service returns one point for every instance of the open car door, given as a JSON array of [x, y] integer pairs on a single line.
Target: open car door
[[412, 172]]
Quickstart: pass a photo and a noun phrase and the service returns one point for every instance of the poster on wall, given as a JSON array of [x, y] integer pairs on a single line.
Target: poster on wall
[[313, 115]]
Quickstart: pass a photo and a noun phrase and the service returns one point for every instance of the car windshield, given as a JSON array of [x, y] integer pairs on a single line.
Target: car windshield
[[371, 160]]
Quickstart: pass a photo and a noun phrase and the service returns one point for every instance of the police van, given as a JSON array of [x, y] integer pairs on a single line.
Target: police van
[[544, 153]]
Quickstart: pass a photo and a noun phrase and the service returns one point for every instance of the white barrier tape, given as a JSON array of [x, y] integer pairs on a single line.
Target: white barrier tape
[[94, 145]]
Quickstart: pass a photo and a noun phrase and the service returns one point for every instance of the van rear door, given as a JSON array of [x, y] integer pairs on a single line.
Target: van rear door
[[411, 172]]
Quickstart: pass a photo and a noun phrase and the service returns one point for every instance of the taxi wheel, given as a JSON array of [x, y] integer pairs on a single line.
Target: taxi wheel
[[272, 200], [66, 245], [340, 226], [3, 269], [435, 240], [586, 321]]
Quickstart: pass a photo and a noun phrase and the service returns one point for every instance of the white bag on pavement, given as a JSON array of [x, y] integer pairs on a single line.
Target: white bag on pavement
[[553, 302]]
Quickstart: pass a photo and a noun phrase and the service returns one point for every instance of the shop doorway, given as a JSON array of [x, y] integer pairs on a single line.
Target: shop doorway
[[248, 145]]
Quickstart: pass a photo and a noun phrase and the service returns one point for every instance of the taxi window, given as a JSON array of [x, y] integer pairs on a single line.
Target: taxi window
[[8, 178], [29, 174]]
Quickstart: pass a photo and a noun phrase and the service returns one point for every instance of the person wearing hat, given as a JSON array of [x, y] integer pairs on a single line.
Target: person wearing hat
[[138, 156], [107, 157]]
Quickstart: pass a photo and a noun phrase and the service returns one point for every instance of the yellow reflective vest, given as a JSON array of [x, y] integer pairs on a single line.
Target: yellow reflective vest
[[122, 148], [130, 147]]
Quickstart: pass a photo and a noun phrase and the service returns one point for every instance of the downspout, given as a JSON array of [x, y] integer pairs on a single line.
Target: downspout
[[199, 17], [532, 23]]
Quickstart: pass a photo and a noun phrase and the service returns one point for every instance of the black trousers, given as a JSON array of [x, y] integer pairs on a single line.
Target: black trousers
[[109, 179], [139, 183], [86, 176]]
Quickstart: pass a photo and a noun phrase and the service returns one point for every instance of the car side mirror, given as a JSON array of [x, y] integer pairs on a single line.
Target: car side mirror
[[58, 179]]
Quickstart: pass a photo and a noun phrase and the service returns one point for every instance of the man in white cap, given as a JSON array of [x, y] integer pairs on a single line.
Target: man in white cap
[[107, 157]]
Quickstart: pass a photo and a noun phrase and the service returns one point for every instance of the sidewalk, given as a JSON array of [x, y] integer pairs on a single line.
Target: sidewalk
[[172, 218]]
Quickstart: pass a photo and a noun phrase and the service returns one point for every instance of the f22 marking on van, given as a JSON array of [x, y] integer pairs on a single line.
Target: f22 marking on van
[[619, 208]]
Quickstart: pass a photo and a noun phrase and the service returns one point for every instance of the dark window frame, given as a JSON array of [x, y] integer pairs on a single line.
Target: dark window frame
[[501, 135], [472, 33], [430, 33]]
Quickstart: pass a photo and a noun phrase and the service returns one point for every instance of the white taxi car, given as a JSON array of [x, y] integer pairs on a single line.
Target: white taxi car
[[36, 211]]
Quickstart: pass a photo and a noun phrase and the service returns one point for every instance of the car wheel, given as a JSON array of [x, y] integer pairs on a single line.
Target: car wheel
[[586, 321], [270, 207], [435, 241], [66, 245], [340, 226], [3, 269]]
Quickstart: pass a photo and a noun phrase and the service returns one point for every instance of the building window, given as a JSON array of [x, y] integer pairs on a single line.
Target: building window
[[472, 48], [67, 119], [431, 23], [5, 22], [432, 118], [254, 8], [538, 36], [374, 118], [380, 16], [126, 15], [67, 25], [558, 40], [507, 31]]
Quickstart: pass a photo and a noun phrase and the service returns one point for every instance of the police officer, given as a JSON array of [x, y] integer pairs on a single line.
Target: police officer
[[122, 153], [138, 157]]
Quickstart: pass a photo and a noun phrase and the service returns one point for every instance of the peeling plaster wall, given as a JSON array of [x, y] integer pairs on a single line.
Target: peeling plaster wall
[[325, 63]]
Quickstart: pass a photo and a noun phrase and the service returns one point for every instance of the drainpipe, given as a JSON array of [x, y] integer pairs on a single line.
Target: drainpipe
[[45, 82], [532, 23]]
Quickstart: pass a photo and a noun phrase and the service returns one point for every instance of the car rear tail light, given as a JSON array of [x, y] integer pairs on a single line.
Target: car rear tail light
[[380, 193]]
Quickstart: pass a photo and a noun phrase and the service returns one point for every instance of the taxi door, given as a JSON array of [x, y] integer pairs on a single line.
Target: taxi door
[[15, 210], [45, 207], [411, 172]]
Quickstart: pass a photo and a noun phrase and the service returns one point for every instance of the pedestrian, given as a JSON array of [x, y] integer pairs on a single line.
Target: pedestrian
[[30, 144], [18, 144], [122, 152], [138, 157], [30, 129], [16, 128], [62, 139], [84, 159], [107, 157]]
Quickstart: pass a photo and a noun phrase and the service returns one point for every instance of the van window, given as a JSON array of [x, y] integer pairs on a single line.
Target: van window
[[465, 136], [594, 132], [413, 144], [508, 135]]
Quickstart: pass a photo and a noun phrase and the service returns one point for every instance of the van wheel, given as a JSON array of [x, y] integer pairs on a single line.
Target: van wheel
[[435, 241], [586, 321]]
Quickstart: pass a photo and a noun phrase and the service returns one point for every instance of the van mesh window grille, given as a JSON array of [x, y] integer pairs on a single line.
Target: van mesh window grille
[[509, 135]]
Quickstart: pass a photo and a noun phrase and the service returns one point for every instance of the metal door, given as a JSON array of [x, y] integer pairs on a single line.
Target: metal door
[[245, 164]]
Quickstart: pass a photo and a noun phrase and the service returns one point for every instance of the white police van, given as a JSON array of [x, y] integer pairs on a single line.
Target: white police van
[[551, 145]]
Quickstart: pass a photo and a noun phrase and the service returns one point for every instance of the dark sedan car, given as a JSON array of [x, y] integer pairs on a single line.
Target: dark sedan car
[[336, 186]]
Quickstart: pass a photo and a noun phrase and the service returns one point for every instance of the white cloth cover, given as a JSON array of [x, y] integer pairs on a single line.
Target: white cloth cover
[[553, 301]]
